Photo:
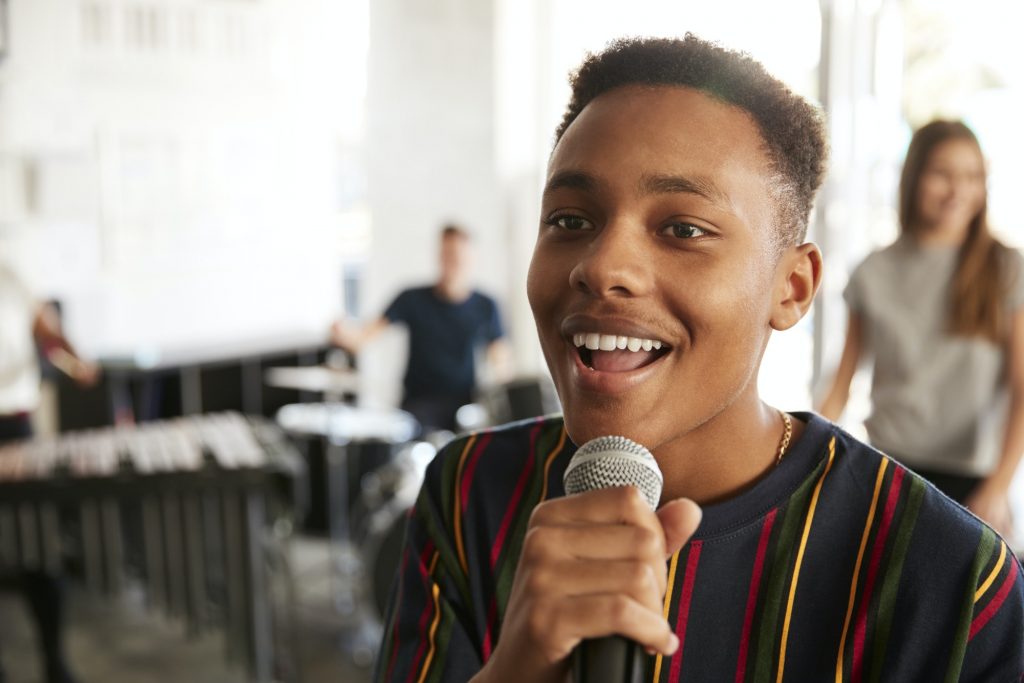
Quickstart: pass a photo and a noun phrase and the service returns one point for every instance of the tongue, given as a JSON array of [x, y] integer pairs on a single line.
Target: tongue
[[620, 361]]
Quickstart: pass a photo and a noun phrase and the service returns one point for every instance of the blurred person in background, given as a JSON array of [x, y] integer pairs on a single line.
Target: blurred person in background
[[448, 322], [941, 313], [26, 325]]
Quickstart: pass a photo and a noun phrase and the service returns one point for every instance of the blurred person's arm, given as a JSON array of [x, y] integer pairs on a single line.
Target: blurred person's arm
[[499, 360], [835, 400], [990, 500], [47, 331], [353, 337]]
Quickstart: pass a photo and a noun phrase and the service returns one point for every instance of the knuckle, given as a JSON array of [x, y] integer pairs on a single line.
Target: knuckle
[[539, 514], [649, 543], [536, 544], [621, 611]]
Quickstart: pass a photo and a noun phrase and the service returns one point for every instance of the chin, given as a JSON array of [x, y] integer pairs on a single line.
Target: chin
[[584, 424]]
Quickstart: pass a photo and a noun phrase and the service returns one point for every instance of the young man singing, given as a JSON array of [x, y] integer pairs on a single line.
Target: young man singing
[[671, 245]]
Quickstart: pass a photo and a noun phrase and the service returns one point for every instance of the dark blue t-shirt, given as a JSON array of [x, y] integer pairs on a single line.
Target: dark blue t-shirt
[[443, 337]]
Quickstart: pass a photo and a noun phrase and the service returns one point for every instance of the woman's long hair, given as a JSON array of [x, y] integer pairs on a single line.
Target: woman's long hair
[[980, 282]]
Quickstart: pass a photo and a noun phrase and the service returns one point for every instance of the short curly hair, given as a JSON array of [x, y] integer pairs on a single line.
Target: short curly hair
[[793, 130]]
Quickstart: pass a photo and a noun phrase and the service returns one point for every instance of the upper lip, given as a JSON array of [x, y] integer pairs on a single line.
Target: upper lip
[[583, 323]]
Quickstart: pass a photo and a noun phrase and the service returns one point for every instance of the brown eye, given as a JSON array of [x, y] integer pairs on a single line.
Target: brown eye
[[570, 222], [685, 230]]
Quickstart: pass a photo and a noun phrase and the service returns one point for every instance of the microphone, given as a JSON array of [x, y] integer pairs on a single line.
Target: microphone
[[606, 462]]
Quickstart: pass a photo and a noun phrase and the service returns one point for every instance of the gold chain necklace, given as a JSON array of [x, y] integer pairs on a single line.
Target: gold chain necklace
[[786, 435]]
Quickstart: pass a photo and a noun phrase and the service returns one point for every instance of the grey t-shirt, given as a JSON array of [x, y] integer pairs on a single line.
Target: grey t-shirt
[[938, 401]]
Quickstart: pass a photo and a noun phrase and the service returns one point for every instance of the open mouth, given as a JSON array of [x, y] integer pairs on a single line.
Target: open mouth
[[612, 353]]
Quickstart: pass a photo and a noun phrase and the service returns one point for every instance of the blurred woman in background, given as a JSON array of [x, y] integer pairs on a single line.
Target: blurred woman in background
[[941, 313]]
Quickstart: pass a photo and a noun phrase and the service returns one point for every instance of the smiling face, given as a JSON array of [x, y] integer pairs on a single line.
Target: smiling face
[[656, 240], [951, 190]]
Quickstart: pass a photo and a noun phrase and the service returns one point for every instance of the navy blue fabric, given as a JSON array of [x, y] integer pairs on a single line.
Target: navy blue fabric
[[443, 338]]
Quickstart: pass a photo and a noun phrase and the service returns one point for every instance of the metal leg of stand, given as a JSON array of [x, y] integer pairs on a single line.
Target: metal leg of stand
[[153, 539], [49, 537], [174, 557], [234, 578], [345, 563], [92, 545], [113, 544], [8, 537], [258, 625], [196, 559]]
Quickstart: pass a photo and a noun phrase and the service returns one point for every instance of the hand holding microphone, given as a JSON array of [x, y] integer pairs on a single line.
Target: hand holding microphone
[[592, 566]]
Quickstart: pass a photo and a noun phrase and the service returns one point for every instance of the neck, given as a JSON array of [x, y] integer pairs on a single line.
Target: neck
[[454, 291], [940, 235], [726, 455]]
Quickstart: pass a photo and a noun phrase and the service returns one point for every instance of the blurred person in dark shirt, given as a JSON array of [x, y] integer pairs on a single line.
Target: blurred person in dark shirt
[[449, 322]]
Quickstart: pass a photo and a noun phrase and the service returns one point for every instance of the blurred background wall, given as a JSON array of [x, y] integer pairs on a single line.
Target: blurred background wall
[[187, 173]]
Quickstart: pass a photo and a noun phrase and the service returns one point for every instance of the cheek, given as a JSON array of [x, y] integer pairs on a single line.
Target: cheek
[[541, 283]]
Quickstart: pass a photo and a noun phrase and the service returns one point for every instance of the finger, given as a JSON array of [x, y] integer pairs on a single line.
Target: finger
[[595, 542], [596, 616], [618, 505], [642, 581], [679, 520]]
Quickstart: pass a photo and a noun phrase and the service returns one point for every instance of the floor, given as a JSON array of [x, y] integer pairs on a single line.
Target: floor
[[116, 641]]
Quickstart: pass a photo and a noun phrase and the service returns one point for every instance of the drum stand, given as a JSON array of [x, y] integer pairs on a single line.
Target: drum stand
[[346, 570]]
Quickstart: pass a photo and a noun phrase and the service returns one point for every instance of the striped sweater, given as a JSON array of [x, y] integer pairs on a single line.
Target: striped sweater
[[840, 565]]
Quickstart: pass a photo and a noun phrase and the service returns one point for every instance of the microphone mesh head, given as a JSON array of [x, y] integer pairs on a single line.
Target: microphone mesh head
[[610, 461]]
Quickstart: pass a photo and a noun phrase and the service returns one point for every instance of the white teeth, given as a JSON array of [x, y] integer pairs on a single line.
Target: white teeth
[[610, 342]]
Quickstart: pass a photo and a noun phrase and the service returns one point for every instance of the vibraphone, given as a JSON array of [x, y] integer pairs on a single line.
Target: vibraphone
[[185, 505]]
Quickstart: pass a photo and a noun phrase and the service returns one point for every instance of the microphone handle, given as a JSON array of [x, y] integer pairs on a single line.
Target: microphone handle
[[612, 659]]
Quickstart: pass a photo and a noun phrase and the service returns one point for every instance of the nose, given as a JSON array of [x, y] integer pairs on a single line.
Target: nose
[[617, 262]]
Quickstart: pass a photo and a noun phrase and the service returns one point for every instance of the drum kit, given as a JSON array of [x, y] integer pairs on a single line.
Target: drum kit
[[367, 532]]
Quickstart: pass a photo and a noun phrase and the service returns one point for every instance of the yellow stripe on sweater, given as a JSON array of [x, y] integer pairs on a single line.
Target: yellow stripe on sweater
[[436, 591], [856, 567], [668, 605], [995, 572], [800, 559]]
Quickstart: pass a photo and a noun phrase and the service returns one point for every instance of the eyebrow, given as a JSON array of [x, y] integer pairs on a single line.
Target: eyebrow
[[649, 185], [674, 184], [572, 180]]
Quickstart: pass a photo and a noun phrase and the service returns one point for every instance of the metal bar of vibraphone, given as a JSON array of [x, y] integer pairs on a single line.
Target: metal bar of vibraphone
[[153, 540], [174, 557], [196, 560], [258, 625], [113, 545]]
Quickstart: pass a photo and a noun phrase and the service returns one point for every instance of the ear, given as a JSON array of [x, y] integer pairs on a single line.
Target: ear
[[797, 276]]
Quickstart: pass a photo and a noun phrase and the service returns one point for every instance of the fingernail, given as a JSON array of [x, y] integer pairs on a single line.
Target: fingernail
[[673, 644]]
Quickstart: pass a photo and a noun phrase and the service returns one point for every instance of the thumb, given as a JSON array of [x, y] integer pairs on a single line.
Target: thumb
[[679, 519]]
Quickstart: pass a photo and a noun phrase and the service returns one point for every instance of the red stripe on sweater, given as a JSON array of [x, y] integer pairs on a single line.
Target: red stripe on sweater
[[755, 586], [684, 608], [425, 617], [499, 539], [995, 603], [860, 628]]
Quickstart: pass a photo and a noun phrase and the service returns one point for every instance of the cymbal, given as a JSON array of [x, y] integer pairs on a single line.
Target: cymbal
[[313, 378]]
